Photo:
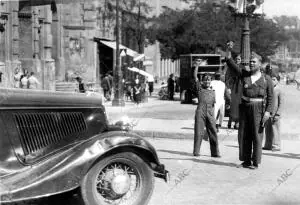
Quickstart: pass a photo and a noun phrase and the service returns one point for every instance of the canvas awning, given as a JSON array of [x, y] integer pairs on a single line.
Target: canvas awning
[[113, 45], [141, 72]]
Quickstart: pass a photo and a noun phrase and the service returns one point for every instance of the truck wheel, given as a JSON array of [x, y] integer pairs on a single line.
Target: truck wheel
[[118, 179]]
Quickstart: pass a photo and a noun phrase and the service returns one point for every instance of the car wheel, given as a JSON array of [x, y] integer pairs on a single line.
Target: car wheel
[[123, 178]]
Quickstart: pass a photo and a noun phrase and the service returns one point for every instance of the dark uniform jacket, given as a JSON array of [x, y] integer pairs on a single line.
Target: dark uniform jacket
[[262, 88]]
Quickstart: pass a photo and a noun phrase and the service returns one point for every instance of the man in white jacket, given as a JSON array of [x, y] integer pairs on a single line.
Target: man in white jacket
[[219, 88]]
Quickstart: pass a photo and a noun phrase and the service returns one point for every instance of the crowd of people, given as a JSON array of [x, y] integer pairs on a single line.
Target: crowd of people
[[136, 90], [25, 80], [255, 104]]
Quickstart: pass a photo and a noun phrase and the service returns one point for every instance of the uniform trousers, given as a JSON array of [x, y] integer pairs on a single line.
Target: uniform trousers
[[250, 132]]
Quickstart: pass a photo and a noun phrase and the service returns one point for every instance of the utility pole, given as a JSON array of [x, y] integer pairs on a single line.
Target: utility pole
[[118, 88]]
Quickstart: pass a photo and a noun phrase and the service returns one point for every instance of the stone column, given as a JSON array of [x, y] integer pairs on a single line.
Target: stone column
[[15, 42], [36, 40], [47, 62], [60, 44], [90, 46]]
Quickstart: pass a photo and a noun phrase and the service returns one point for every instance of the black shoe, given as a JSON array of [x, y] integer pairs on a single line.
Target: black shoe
[[246, 164], [254, 166], [216, 156], [196, 155]]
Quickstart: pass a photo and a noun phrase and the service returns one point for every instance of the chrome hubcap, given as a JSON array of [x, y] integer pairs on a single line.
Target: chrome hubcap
[[117, 182]]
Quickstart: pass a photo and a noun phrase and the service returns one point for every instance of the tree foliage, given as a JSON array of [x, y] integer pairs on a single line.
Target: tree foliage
[[134, 21], [201, 28]]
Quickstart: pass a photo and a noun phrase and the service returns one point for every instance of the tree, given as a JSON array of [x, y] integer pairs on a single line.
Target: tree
[[135, 20], [200, 29]]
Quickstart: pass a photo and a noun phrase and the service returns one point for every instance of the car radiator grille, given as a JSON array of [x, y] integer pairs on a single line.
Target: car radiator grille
[[39, 130]]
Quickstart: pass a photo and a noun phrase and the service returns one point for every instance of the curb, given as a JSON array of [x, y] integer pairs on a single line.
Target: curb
[[179, 136], [190, 136]]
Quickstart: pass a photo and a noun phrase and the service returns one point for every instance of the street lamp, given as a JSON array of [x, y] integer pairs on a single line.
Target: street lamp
[[118, 88], [245, 9]]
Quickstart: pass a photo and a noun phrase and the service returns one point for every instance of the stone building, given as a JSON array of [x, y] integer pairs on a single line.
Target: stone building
[[56, 40]]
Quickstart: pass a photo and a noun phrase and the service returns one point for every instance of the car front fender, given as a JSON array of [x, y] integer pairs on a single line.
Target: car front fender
[[64, 170]]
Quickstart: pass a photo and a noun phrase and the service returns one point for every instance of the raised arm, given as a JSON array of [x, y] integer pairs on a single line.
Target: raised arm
[[230, 62]]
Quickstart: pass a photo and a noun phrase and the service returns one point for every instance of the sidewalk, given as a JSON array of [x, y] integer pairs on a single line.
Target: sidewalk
[[179, 129], [160, 128]]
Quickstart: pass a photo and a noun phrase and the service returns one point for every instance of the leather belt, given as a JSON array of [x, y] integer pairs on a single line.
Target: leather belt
[[256, 100]]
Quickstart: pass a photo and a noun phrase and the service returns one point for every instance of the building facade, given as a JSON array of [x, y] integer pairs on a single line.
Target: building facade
[[54, 40]]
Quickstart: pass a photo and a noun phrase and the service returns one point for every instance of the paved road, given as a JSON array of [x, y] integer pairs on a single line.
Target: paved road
[[219, 181]]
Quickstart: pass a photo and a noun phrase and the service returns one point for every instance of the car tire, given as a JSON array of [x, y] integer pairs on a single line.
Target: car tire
[[113, 169]]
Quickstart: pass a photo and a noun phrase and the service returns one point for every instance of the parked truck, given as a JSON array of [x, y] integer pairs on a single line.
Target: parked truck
[[187, 81]]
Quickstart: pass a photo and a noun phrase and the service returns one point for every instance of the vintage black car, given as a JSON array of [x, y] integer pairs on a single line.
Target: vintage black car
[[54, 142]]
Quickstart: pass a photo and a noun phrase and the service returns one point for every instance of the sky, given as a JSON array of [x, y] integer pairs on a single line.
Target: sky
[[282, 7]]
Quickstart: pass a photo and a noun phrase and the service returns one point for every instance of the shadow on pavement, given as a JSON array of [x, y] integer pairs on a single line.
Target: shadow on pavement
[[284, 155], [187, 128], [202, 161], [234, 146], [175, 152], [197, 160]]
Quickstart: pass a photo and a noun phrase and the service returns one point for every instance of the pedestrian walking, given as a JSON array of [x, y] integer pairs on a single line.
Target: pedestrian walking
[[137, 94], [255, 109], [171, 86], [219, 88], [204, 115], [106, 86], [33, 82], [272, 127], [150, 81]]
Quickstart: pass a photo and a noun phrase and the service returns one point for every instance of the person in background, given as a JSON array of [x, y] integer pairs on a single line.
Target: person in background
[[1, 76], [137, 94], [150, 81], [219, 88], [137, 80], [33, 82], [106, 86], [24, 79], [255, 109], [234, 83], [204, 115], [171, 87], [272, 127], [177, 87], [17, 77], [81, 85]]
